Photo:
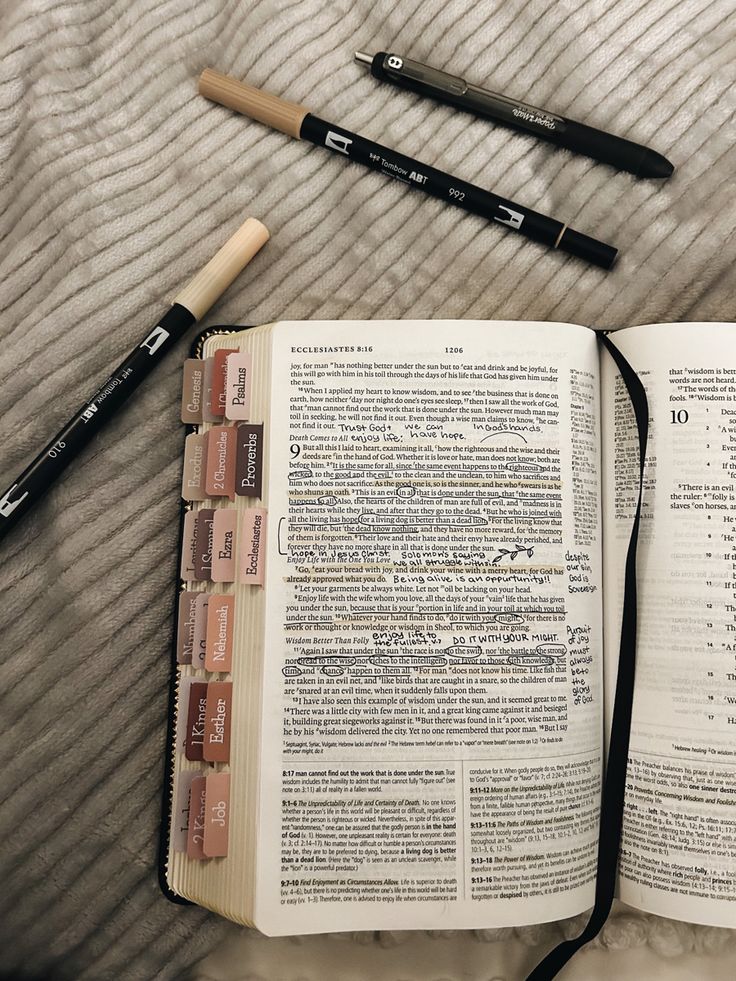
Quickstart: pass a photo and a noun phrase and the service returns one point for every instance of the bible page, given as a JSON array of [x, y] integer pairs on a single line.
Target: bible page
[[432, 735], [678, 853]]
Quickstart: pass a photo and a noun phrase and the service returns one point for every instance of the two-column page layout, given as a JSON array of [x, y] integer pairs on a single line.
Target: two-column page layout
[[432, 733], [678, 855], [422, 678]]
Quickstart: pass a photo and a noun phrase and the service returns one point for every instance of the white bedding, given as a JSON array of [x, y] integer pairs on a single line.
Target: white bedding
[[118, 182]]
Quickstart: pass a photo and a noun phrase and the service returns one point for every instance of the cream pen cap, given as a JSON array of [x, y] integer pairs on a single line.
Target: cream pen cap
[[214, 278], [287, 117]]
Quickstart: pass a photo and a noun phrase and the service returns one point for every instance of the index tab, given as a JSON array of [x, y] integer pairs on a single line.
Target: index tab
[[224, 535], [195, 832], [192, 389], [249, 460], [253, 547], [219, 637], [199, 629], [186, 570], [209, 381], [216, 815], [193, 472], [203, 544], [180, 815], [237, 389], [219, 472], [196, 715], [185, 626], [218, 716], [219, 379], [183, 693]]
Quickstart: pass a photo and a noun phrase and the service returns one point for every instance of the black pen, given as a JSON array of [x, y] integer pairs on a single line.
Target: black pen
[[187, 307], [296, 121], [609, 149]]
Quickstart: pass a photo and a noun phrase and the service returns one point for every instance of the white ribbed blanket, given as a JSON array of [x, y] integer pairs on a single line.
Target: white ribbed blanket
[[117, 182]]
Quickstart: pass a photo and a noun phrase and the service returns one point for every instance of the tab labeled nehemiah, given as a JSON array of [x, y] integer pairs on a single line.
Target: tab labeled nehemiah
[[219, 643]]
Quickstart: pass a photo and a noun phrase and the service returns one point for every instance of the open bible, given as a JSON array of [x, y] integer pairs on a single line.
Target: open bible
[[399, 621]]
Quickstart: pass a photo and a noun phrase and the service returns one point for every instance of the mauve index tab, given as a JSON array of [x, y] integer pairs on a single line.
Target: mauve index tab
[[192, 391]]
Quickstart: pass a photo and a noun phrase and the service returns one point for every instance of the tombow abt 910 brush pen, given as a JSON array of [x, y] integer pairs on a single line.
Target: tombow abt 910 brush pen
[[188, 306]]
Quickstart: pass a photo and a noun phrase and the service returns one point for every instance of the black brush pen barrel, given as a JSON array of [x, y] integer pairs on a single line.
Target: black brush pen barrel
[[53, 459], [453, 190]]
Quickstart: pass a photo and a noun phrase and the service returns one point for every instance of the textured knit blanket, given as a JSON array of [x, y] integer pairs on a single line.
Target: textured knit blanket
[[118, 182]]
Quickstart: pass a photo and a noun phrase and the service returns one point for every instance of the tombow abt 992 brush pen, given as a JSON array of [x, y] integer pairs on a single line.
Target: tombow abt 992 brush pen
[[296, 121]]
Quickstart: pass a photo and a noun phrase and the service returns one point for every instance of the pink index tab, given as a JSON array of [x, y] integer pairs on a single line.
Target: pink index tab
[[219, 644], [203, 544], [253, 547], [183, 694], [237, 387], [193, 471], [196, 717], [219, 379], [217, 723], [187, 546], [199, 632], [192, 391], [219, 471], [195, 831], [180, 817], [224, 536], [209, 380], [216, 815], [185, 627]]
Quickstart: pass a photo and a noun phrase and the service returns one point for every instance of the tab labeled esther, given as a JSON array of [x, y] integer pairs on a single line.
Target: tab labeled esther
[[218, 716]]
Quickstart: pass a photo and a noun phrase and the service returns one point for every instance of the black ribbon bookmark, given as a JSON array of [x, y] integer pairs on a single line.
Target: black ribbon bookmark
[[614, 784]]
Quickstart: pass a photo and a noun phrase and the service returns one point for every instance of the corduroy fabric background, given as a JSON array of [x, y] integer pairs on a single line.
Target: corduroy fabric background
[[117, 183]]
